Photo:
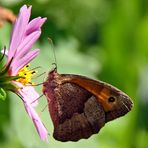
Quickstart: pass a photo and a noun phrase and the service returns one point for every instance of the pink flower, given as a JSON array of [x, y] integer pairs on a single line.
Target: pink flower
[[23, 36]]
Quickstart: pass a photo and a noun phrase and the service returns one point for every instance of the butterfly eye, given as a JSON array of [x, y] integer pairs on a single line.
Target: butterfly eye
[[111, 99]]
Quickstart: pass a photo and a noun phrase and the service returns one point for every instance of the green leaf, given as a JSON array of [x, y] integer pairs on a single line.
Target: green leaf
[[9, 78], [2, 94]]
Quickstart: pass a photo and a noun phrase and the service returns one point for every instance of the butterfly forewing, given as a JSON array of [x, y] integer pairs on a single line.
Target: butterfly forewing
[[80, 106]]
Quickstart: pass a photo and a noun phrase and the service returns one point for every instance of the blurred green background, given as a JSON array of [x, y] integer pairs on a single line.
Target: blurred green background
[[102, 39]]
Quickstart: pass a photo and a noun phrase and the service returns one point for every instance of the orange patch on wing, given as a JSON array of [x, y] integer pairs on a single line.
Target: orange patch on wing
[[103, 98]]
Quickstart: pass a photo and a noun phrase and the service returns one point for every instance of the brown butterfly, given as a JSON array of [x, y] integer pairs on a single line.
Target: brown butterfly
[[80, 106]]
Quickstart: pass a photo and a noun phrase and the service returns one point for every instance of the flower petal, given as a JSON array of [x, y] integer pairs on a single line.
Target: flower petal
[[17, 65], [26, 45], [27, 97], [41, 129], [29, 93], [24, 35], [19, 29], [35, 24]]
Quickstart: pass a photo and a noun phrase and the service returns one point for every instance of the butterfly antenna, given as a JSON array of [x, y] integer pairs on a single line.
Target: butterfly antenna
[[37, 99], [52, 46]]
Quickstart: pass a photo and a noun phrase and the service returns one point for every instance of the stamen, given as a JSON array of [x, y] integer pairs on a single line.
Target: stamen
[[32, 84], [33, 72], [27, 65], [26, 74], [39, 75]]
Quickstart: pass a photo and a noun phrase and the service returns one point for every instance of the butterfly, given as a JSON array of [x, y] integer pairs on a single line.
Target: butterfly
[[79, 106]]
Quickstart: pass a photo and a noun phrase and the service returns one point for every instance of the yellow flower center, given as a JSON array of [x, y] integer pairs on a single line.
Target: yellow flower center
[[26, 74]]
